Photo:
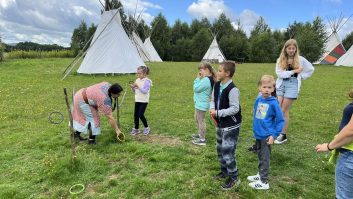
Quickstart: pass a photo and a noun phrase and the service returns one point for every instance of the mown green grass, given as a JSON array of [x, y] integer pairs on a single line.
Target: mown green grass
[[35, 155]]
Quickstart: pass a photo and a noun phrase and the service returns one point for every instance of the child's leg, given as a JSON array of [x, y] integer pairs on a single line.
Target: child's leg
[[229, 144], [263, 152], [201, 124], [219, 136], [136, 115], [141, 114]]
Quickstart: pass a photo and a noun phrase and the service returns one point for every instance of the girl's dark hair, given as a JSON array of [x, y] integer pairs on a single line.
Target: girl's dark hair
[[145, 69], [350, 94], [114, 89]]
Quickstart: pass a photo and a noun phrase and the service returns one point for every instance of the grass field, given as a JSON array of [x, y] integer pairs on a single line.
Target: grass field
[[35, 154]]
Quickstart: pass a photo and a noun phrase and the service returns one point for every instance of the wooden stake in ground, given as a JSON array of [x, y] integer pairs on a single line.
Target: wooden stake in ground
[[117, 112], [72, 141]]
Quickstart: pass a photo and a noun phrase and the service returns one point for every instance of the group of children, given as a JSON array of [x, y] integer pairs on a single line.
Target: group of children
[[270, 116], [225, 108]]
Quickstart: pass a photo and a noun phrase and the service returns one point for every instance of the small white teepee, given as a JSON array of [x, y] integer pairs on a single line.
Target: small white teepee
[[152, 51], [346, 59], [136, 40], [214, 53], [111, 50]]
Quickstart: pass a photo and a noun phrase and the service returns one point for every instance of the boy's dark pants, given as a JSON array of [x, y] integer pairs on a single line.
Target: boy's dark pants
[[263, 152], [226, 146]]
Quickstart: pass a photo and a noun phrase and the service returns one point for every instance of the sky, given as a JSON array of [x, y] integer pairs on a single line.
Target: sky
[[53, 21]]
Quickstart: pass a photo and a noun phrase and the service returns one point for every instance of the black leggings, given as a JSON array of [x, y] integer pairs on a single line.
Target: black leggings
[[140, 109]]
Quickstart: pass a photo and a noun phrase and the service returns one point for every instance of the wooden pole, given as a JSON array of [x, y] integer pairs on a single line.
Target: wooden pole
[[72, 141]]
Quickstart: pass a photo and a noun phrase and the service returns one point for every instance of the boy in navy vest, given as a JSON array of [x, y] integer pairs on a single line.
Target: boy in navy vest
[[225, 108]]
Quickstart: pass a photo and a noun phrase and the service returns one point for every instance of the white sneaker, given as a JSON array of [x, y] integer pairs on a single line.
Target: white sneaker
[[259, 185], [254, 178], [282, 138]]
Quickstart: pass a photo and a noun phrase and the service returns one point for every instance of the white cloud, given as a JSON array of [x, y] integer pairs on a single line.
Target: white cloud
[[346, 29], [210, 9], [248, 19], [7, 3], [139, 9], [79, 11]]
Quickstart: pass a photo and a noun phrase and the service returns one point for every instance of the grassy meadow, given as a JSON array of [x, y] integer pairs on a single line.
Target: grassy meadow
[[35, 154]]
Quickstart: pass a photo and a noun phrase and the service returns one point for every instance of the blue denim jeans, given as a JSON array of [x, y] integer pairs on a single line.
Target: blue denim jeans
[[344, 175]]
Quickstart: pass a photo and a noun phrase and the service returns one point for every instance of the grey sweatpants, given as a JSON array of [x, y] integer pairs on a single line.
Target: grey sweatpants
[[263, 152], [226, 146], [200, 123]]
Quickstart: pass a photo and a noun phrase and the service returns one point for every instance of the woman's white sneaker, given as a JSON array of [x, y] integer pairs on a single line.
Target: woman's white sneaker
[[254, 178]]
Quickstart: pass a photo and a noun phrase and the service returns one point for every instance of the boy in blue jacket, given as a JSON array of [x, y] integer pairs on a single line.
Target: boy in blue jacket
[[268, 124]]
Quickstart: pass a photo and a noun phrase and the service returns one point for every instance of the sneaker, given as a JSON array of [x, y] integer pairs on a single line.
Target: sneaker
[[252, 148], [220, 176], [92, 142], [134, 131], [146, 131], [77, 136], [259, 185], [195, 136], [199, 142], [230, 183], [282, 138], [254, 178]]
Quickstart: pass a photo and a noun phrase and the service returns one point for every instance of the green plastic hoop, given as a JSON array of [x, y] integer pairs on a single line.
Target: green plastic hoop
[[77, 186]]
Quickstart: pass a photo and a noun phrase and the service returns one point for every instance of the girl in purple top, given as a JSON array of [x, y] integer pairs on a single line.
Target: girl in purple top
[[141, 87]]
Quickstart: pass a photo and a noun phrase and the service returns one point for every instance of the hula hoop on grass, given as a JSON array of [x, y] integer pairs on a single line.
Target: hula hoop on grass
[[55, 113], [80, 188]]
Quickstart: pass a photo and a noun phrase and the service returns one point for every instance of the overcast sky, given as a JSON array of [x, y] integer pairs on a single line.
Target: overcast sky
[[53, 21]]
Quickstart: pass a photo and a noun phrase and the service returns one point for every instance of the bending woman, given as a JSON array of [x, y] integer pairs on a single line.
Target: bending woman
[[88, 102]]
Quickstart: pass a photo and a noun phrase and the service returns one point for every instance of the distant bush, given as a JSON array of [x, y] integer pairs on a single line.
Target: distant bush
[[21, 54]]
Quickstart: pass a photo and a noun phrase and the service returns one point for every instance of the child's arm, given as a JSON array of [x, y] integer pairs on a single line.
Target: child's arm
[[308, 69], [212, 105], [233, 104], [146, 87], [283, 73], [201, 84], [279, 120]]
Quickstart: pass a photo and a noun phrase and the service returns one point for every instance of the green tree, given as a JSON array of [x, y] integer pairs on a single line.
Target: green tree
[[180, 30], [197, 25], [161, 36], [200, 43], [279, 39], [222, 26], [235, 46], [260, 27], [262, 48], [181, 50], [79, 36], [348, 41]]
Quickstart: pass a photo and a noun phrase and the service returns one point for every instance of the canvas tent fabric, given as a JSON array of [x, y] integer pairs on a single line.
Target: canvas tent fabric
[[111, 50], [214, 53], [152, 51], [142, 51], [333, 50], [346, 59]]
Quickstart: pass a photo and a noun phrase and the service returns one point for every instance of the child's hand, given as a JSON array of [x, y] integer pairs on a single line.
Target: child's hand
[[298, 70], [213, 112], [270, 140]]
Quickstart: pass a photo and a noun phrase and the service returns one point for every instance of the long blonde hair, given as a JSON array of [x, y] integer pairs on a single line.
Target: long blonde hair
[[283, 58]]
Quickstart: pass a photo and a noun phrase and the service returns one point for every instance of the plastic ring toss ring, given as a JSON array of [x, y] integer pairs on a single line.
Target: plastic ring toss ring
[[56, 120], [121, 137], [77, 189]]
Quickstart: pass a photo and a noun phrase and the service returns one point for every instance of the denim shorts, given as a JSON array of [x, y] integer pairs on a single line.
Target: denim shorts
[[344, 175], [288, 88]]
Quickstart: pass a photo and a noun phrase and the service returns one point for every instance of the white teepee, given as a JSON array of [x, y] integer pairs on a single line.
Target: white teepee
[[111, 50], [136, 40], [214, 53], [152, 51], [333, 46], [346, 59]]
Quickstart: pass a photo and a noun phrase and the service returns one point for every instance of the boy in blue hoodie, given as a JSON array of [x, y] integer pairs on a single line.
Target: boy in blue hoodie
[[268, 124]]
